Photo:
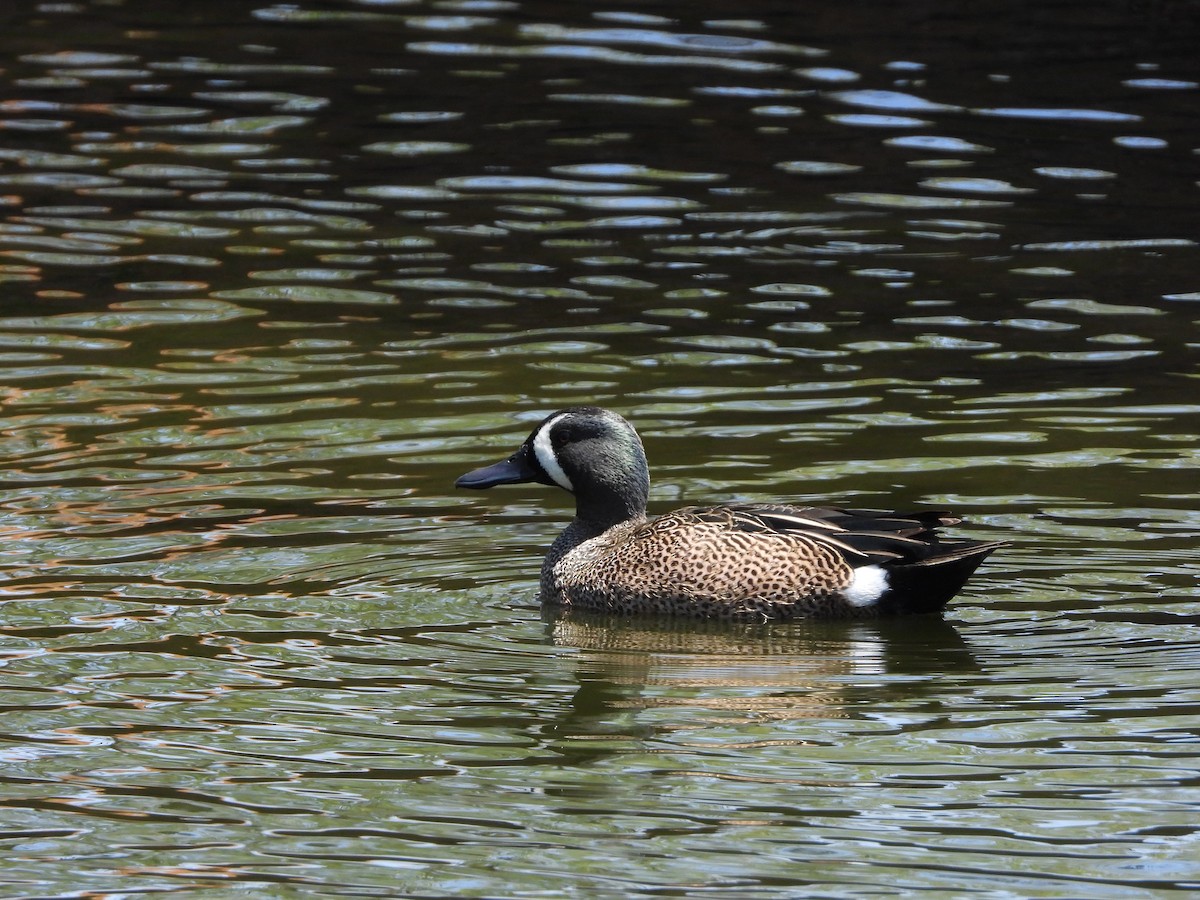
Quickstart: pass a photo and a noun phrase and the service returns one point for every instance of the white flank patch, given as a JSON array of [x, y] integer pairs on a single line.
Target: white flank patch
[[544, 451], [867, 586]]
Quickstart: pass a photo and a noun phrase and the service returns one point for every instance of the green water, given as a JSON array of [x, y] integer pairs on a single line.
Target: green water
[[273, 276]]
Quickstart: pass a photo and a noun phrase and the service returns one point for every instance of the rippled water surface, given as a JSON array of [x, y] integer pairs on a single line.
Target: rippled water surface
[[274, 274]]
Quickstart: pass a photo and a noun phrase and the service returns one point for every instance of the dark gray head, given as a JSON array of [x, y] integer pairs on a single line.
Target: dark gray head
[[591, 452]]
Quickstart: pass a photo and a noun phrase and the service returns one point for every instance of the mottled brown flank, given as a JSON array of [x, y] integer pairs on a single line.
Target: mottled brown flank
[[684, 564]]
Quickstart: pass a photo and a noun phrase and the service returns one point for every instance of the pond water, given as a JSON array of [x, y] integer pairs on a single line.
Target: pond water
[[275, 274]]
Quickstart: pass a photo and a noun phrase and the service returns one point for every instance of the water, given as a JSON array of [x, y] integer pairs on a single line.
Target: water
[[274, 275]]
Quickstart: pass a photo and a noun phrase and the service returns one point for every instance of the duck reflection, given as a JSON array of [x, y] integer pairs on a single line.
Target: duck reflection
[[780, 671], [873, 647]]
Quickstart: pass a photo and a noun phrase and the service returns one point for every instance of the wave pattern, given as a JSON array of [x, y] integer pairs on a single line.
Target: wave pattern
[[274, 276]]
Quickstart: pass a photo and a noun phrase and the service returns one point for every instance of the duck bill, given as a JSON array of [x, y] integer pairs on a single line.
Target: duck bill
[[514, 470]]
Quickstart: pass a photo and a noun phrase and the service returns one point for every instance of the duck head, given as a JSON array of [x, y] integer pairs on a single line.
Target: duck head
[[588, 451]]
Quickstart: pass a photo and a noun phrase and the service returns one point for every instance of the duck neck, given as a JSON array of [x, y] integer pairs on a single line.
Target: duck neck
[[600, 510], [596, 513]]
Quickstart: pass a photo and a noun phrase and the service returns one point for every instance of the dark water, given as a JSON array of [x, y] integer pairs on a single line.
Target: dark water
[[273, 275]]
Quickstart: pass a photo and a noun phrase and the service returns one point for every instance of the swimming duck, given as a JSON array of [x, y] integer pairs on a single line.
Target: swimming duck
[[743, 562]]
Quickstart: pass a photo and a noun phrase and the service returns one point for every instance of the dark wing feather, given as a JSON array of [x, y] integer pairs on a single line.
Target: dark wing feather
[[862, 536]]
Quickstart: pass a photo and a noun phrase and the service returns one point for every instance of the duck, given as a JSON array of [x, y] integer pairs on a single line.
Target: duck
[[741, 562]]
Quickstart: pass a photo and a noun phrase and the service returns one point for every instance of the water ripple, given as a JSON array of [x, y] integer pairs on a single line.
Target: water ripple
[[268, 292]]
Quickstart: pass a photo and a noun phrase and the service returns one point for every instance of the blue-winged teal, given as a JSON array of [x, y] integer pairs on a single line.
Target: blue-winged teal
[[754, 561]]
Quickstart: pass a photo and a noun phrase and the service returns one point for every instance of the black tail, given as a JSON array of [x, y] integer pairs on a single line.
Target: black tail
[[926, 586]]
